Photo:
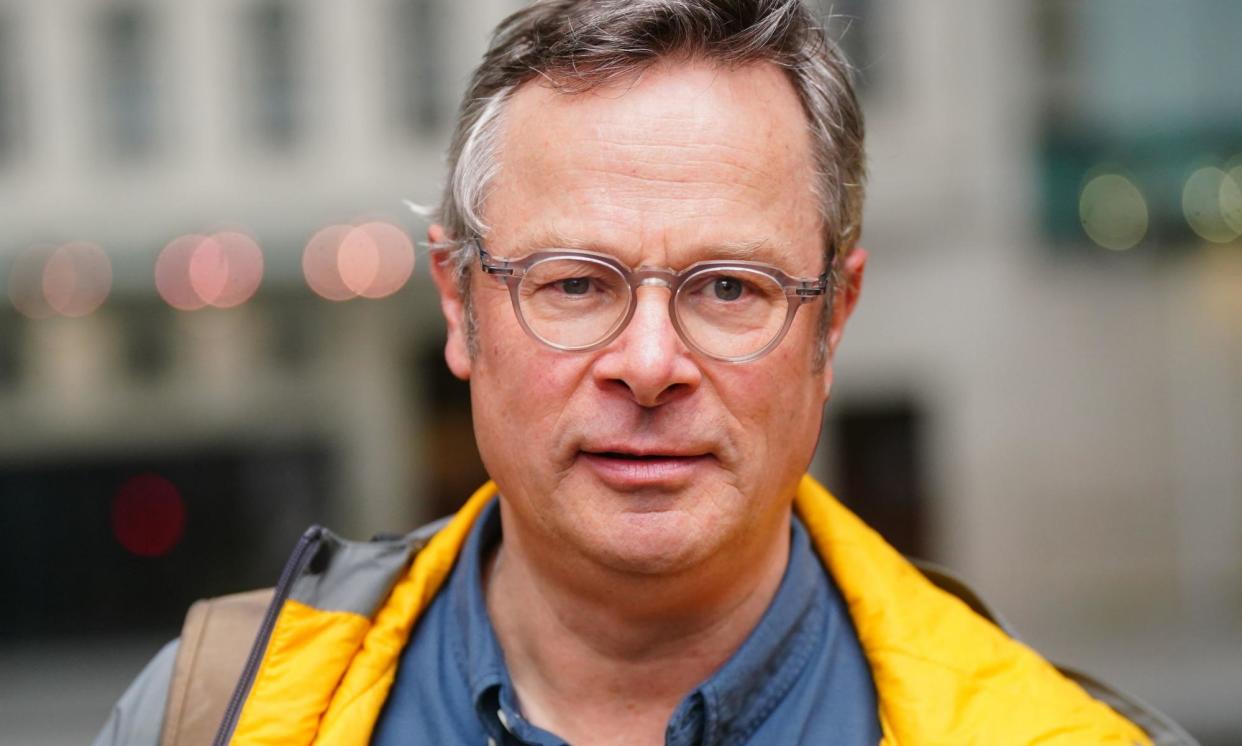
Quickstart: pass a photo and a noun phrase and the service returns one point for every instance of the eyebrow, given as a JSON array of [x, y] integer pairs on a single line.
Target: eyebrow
[[756, 250], [552, 238]]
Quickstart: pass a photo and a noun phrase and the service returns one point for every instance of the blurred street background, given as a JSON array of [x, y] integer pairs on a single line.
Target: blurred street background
[[217, 327]]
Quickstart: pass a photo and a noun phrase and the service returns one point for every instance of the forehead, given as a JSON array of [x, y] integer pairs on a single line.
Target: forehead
[[665, 167]]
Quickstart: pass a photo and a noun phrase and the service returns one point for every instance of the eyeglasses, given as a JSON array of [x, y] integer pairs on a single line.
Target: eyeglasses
[[576, 301]]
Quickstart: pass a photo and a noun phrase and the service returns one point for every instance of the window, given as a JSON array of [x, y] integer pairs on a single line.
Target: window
[[878, 459], [416, 74], [147, 351], [127, 83], [1141, 142], [273, 73], [294, 327], [454, 467]]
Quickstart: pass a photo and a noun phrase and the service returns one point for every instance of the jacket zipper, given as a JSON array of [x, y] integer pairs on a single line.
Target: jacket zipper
[[303, 553]]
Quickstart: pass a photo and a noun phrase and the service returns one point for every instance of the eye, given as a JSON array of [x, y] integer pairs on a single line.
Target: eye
[[575, 285], [727, 288]]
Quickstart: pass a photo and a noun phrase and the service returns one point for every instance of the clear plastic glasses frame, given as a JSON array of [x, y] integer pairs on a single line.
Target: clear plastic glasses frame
[[797, 292]]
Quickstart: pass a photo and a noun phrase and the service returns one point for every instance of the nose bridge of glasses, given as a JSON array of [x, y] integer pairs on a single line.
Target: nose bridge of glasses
[[655, 277], [645, 277]]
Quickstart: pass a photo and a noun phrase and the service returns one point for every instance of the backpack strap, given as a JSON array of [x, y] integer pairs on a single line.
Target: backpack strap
[[215, 642]]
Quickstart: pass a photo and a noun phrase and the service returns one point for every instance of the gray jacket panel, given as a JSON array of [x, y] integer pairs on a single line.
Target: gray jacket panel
[[138, 716]]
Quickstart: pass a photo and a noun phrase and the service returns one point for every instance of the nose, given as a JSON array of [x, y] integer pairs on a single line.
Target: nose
[[649, 361]]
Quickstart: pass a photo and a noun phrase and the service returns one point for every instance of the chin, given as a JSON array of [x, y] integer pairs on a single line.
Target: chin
[[652, 543]]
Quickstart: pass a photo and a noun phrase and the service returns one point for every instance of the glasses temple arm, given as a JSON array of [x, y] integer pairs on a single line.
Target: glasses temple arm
[[499, 267]]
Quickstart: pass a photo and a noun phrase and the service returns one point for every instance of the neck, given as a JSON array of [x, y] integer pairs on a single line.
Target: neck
[[592, 650]]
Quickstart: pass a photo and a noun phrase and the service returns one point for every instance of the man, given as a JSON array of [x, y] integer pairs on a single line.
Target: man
[[646, 259]]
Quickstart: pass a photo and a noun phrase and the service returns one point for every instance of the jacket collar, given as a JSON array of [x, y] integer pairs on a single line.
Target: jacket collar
[[943, 674]]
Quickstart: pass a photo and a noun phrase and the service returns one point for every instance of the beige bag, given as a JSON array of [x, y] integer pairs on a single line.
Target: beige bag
[[215, 642]]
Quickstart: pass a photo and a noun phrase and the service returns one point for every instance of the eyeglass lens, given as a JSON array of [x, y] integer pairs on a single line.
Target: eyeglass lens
[[576, 303]]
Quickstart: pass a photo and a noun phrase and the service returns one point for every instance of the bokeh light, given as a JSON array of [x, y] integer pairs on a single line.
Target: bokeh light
[[172, 273], [148, 515], [1113, 212], [72, 279], [371, 260], [1210, 200], [226, 269], [358, 260], [222, 270], [77, 278], [320, 265]]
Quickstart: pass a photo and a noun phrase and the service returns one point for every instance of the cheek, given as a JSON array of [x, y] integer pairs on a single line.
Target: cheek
[[510, 390], [510, 451], [520, 390], [780, 400], [778, 405]]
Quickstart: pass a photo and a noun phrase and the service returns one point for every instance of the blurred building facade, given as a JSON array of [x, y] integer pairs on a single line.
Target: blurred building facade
[[1042, 387]]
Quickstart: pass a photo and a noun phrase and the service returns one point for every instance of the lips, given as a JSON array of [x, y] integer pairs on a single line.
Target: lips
[[642, 455], [630, 468], [648, 451]]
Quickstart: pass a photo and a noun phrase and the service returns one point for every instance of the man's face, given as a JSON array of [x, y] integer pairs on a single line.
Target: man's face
[[643, 456]]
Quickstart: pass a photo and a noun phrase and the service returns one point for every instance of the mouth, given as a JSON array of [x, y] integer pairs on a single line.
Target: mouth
[[638, 469], [629, 456]]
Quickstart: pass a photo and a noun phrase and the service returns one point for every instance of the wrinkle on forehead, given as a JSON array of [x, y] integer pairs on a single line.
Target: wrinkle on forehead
[[684, 144]]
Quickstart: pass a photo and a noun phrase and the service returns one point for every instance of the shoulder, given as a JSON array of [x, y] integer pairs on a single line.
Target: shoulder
[[1162, 730], [181, 694], [137, 716]]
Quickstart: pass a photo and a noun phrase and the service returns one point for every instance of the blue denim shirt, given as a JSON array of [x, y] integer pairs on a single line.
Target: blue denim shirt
[[800, 677]]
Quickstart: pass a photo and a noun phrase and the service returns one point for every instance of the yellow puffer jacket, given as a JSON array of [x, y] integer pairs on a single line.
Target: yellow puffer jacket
[[944, 674]]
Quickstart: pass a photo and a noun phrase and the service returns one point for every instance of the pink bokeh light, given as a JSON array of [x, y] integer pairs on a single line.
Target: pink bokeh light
[[72, 279], [320, 263], [373, 259], [394, 259], [77, 277], [222, 270]]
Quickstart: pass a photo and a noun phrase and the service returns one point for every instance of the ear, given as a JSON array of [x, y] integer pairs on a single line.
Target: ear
[[844, 299], [457, 348]]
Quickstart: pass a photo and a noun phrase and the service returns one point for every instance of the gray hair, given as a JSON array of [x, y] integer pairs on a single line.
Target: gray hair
[[579, 44]]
